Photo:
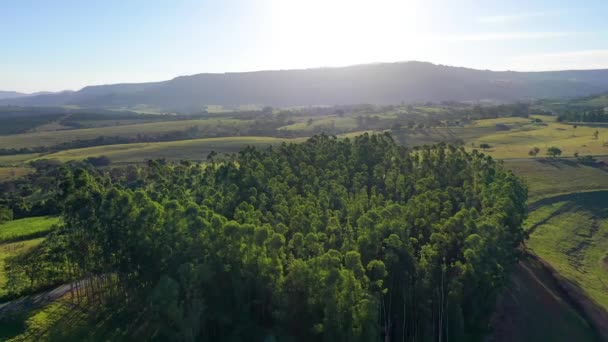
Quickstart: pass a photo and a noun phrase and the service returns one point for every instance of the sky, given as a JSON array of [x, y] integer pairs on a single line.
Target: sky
[[68, 44]]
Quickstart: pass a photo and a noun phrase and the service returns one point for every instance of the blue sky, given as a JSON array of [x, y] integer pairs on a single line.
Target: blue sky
[[60, 44]]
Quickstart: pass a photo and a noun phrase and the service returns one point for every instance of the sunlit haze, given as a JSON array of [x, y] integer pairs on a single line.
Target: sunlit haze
[[70, 44]]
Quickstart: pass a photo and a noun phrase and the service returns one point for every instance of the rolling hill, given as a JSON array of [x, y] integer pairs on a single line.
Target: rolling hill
[[14, 94], [10, 94], [382, 83]]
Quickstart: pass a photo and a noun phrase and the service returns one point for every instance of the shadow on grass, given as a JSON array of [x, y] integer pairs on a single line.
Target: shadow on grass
[[577, 297], [12, 326], [558, 163], [565, 208], [592, 201], [534, 307]]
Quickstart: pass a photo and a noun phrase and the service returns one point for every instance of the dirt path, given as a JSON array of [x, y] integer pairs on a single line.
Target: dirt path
[[34, 301]]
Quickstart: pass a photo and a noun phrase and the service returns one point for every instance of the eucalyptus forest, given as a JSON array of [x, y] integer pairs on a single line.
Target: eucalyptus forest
[[332, 239]]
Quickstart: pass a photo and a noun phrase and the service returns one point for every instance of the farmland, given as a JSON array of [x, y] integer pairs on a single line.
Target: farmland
[[10, 161], [564, 229], [328, 122], [549, 177], [571, 233], [26, 228], [521, 138], [57, 137], [196, 149], [12, 249]]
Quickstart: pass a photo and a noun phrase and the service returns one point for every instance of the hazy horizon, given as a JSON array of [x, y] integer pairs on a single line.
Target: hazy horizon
[[67, 45], [292, 69]]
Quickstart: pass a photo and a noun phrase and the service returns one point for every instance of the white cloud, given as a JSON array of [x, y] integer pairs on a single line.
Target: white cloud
[[565, 60]]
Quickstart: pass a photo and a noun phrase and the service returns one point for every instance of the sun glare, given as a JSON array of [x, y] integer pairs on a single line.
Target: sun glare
[[346, 32]]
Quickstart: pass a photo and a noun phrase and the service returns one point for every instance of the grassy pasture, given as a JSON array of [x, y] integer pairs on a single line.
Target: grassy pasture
[[8, 173], [25, 228], [571, 233], [63, 320], [430, 110], [517, 142], [345, 123], [512, 121], [56, 137], [196, 149], [49, 127], [8, 250], [546, 177], [15, 124], [429, 136], [140, 108], [16, 160], [112, 123], [470, 133]]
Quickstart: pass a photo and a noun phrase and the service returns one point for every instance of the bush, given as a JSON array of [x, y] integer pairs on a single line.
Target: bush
[[98, 161], [6, 214], [554, 151]]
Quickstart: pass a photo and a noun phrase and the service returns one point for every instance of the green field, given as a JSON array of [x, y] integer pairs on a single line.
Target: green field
[[154, 128], [571, 233], [547, 177], [17, 159], [517, 142], [61, 320], [471, 133], [347, 123], [26, 228], [8, 250], [196, 149]]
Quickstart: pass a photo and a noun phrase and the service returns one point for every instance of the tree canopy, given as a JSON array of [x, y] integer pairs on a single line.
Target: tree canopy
[[332, 239], [554, 151]]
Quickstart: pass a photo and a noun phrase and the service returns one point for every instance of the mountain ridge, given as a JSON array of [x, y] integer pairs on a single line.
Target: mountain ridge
[[10, 94], [377, 83]]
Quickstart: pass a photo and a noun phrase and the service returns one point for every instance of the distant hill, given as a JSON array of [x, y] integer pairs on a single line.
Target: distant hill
[[10, 94], [13, 94], [383, 83]]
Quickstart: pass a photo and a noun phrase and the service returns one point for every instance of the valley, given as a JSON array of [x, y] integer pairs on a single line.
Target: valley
[[561, 277]]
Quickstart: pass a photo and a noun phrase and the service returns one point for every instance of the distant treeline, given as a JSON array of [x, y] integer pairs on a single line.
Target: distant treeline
[[505, 110], [587, 115], [16, 125]]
